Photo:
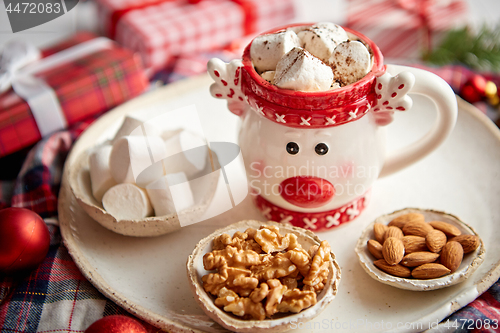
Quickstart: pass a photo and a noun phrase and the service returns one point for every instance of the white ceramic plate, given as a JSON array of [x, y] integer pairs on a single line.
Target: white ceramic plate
[[147, 277]]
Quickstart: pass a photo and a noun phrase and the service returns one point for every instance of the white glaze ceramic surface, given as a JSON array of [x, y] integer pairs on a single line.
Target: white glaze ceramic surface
[[147, 276], [357, 152]]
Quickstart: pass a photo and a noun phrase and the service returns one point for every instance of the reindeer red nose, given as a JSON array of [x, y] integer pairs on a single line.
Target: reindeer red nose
[[307, 192]]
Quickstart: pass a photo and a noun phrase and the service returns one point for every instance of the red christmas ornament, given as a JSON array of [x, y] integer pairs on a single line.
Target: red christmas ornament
[[24, 240], [116, 324], [474, 90]]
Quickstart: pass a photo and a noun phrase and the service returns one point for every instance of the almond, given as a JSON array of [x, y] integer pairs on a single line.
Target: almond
[[429, 271], [379, 230], [414, 244], [393, 250], [418, 258], [452, 255], [417, 228], [435, 240], [375, 248], [396, 270], [447, 228], [393, 231], [469, 242], [401, 220]]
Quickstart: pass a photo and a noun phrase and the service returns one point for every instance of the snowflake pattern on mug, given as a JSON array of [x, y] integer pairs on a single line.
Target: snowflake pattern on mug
[[313, 221], [392, 95], [227, 85]]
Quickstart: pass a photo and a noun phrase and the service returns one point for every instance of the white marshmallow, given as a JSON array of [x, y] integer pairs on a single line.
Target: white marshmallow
[[165, 135], [350, 62], [100, 176], [335, 85], [131, 155], [298, 28], [267, 50], [299, 70], [136, 127], [189, 161], [321, 39], [127, 202], [268, 76], [170, 194]]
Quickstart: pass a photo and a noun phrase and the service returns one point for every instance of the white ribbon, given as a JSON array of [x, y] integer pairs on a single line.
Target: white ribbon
[[14, 56], [41, 98]]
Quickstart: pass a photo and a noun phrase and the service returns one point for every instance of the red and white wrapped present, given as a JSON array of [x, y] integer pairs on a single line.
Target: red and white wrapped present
[[405, 28], [160, 30], [45, 91]]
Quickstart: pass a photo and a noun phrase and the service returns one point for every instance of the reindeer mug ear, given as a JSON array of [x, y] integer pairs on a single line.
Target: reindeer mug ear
[[392, 95]]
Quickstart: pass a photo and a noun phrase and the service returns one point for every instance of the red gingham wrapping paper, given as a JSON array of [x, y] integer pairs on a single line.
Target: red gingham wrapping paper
[[56, 298], [163, 31], [84, 87], [398, 29]]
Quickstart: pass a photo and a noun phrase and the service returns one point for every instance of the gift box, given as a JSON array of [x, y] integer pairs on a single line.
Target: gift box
[[78, 78], [160, 30], [405, 28]]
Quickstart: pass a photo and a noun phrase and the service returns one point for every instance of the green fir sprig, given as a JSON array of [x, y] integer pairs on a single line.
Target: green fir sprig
[[479, 51]]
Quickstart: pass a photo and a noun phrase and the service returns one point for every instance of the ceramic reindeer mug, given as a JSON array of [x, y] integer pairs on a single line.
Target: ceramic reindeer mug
[[311, 157]]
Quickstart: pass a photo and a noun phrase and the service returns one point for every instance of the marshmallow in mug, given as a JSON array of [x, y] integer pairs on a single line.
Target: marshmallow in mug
[[127, 202], [322, 38], [348, 61], [268, 49]]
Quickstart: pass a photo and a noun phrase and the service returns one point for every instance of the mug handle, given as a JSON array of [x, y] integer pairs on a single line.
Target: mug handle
[[438, 90]]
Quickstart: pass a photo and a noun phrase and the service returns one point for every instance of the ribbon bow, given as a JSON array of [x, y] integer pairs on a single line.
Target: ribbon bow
[[19, 64], [15, 55], [423, 9]]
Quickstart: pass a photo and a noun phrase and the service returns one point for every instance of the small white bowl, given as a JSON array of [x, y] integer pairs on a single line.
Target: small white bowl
[[282, 322], [470, 262], [203, 192]]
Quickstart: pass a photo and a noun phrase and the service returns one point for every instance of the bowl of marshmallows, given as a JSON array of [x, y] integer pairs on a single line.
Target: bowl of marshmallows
[[145, 181]]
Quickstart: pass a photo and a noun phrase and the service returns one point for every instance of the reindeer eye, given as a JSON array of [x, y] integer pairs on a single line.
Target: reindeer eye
[[321, 149], [292, 148]]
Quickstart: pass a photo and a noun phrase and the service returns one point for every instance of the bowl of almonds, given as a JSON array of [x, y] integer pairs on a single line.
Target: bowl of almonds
[[417, 249], [254, 276]]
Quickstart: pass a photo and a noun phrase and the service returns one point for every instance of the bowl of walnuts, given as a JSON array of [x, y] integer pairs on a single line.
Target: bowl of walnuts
[[254, 276]]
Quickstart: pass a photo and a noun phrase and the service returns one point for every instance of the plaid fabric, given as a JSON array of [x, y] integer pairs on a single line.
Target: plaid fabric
[[57, 298], [402, 29], [163, 31], [98, 82]]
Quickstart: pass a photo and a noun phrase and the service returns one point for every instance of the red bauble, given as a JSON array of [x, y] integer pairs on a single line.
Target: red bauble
[[116, 324], [24, 240]]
